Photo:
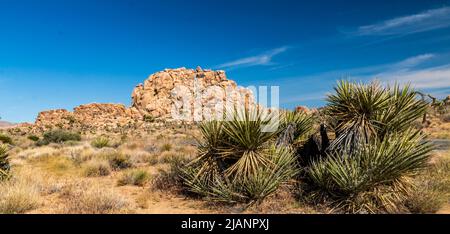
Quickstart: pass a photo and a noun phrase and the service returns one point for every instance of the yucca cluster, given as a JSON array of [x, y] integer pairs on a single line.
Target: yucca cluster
[[4, 162], [362, 161]]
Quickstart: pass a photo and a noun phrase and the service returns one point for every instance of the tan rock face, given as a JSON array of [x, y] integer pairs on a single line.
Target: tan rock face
[[168, 95], [192, 94]]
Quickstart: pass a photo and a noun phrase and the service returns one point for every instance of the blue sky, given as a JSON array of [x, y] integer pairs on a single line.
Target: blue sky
[[59, 54]]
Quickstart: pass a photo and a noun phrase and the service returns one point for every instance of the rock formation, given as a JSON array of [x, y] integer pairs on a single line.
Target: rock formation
[[167, 95], [196, 93]]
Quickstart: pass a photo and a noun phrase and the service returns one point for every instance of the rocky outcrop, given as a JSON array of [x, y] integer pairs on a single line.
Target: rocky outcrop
[[167, 95], [187, 93]]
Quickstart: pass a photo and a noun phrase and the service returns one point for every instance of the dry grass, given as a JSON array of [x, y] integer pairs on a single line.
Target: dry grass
[[95, 200], [96, 168]]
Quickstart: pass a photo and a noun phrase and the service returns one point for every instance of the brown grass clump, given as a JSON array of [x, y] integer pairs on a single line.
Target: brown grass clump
[[432, 189], [95, 200], [20, 194], [96, 168]]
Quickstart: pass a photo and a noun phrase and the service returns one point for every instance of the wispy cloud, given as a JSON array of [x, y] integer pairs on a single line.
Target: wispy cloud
[[421, 22], [429, 78], [261, 59]]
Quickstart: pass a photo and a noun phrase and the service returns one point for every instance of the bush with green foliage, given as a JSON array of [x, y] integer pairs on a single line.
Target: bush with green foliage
[[33, 138], [368, 166], [149, 118], [100, 142], [4, 162], [134, 177], [5, 139], [58, 136]]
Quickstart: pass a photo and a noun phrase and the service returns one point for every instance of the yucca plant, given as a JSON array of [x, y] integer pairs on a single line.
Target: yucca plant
[[367, 166], [266, 180], [238, 160], [294, 126], [362, 112], [4, 162], [348, 178]]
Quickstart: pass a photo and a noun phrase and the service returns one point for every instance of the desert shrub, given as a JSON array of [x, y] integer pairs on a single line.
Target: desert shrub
[[58, 136], [118, 160], [17, 197], [432, 189], [170, 178], [100, 142], [166, 147], [33, 138], [134, 177], [152, 160], [4, 162], [95, 201], [149, 118], [96, 168], [238, 161], [368, 166], [5, 139]]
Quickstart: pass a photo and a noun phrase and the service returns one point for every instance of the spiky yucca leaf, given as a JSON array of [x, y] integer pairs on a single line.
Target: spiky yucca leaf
[[245, 140], [363, 112], [301, 124], [267, 180], [4, 162], [380, 164]]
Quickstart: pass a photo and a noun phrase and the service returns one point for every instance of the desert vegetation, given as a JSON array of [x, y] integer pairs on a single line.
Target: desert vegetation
[[367, 151]]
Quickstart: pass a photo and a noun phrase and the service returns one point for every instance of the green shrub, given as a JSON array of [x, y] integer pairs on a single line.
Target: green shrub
[[149, 118], [134, 177], [100, 142], [5, 139], [58, 136], [4, 162], [33, 138]]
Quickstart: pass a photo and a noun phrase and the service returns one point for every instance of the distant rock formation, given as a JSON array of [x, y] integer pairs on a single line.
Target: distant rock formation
[[192, 94], [5, 124]]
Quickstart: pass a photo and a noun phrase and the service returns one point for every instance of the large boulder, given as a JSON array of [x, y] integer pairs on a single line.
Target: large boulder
[[189, 94]]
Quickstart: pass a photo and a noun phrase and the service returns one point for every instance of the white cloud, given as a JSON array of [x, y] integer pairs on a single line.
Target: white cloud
[[421, 22], [435, 77], [262, 59]]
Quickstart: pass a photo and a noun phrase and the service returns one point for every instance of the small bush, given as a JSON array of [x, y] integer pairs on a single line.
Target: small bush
[[118, 160], [172, 178], [33, 138], [149, 118], [100, 142], [5, 139], [432, 189], [58, 136], [96, 168], [166, 147], [95, 201], [135, 177]]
